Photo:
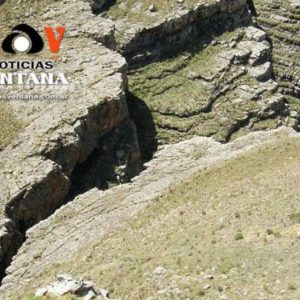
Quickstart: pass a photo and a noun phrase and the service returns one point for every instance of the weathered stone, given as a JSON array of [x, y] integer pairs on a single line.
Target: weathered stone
[[262, 72], [152, 8], [159, 271], [138, 41], [256, 34], [62, 134], [66, 285]]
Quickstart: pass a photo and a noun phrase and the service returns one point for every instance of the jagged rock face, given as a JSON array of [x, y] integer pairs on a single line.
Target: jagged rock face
[[36, 168], [280, 19], [211, 89], [182, 82], [49, 148], [141, 36]]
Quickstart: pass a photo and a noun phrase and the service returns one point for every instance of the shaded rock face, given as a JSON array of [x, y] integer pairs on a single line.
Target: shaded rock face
[[143, 44], [11, 239], [100, 5], [115, 160]]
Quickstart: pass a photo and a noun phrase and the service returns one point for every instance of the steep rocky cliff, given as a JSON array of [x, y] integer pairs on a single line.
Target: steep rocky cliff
[[141, 76], [37, 168]]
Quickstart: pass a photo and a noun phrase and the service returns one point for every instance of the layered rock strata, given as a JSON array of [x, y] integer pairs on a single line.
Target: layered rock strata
[[196, 69]]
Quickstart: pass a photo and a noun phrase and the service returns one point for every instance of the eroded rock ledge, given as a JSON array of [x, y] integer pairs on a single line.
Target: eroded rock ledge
[[36, 169], [281, 20], [238, 92], [140, 42]]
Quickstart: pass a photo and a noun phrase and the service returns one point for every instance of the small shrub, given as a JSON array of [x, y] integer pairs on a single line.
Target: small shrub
[[267, 289], [237, 215], [201, 293], [238, 236], [225, 267], [291, 287], [295, 217], [220, 289], [277, 234]]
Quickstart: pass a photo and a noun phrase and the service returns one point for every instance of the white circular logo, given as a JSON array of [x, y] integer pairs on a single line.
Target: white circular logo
[[21, 44]]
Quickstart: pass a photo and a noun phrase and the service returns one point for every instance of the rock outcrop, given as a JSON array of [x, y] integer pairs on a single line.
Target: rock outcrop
[[280, 19], [221, 88], [65, 284], [141, 37], [36, 169], [195, 69]]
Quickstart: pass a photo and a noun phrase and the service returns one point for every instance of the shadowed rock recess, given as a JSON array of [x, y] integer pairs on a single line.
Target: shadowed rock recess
[[190, 74]]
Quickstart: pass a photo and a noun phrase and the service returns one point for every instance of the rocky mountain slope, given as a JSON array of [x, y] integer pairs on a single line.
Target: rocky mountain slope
[[216, 224], [280, 19], [189, 74]]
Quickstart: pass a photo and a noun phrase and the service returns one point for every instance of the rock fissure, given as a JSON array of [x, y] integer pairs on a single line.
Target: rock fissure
[[115, 160], [218, 83]]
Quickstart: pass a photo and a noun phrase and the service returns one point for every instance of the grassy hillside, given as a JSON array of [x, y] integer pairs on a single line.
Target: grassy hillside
[[229, 231]]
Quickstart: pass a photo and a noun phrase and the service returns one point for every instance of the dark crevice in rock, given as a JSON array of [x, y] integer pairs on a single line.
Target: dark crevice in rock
[[99, 6], [114, 160], [146, 131], [252, 7], [11, 241]]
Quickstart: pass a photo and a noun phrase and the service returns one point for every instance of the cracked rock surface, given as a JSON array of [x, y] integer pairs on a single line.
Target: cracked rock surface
[[36, 167], [186, 77]]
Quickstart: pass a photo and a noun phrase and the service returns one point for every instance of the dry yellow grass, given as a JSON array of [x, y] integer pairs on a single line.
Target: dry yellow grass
[[232, 221], [9, 125]]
